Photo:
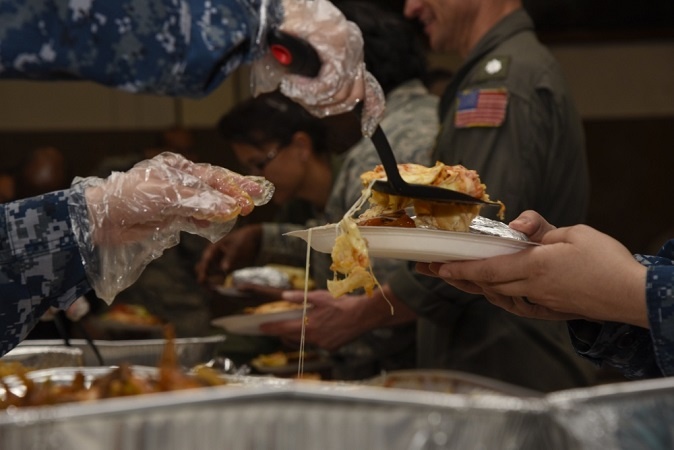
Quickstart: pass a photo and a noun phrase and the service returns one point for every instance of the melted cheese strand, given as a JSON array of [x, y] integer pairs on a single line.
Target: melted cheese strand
[[300, 365], [366, 193]]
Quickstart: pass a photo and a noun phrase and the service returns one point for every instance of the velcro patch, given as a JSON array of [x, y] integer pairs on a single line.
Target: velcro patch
[[481, 108]]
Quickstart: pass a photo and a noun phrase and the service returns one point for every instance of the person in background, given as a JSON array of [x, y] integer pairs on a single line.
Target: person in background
[[7, 186], [272, 136], [396, 57], [44, 169], [100, 233], [507, 114], [437, 80], [618, 306], [176, 139]]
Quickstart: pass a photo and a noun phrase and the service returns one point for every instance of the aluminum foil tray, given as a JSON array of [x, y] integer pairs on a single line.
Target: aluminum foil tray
[[267, 413], [142, 352], [631, 415], [45, 356]]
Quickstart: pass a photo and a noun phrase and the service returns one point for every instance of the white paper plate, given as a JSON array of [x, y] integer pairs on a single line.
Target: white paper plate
[[418, 244], [249, 324]]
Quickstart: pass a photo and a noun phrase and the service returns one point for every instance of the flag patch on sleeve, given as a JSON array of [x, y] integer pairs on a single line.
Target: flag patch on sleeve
[[481, 108]]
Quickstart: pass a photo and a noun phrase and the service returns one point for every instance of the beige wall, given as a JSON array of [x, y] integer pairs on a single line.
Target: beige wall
[[63, 106], [608, 81]]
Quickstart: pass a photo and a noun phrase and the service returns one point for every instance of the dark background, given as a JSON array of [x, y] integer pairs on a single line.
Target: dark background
[[631, 163]]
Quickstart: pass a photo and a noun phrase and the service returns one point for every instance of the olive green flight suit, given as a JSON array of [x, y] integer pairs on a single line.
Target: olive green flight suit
[[508, 115]]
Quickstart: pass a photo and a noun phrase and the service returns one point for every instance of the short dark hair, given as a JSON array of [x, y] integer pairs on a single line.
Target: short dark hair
[[394, 51], [271, 117]]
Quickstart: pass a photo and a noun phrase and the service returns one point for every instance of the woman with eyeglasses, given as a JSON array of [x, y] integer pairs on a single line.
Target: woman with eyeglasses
[[274, 137]]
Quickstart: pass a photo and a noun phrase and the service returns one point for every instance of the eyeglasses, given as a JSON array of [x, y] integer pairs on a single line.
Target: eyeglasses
[[260, 166]]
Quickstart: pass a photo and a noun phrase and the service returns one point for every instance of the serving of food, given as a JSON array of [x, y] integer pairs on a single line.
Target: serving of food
[[24, 388], [273, 307], [286, 364], [406, 228], [249, 322], [392, 210], [129, 314]]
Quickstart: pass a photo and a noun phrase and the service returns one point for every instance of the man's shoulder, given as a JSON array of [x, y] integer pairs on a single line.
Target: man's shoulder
[[522, 66]]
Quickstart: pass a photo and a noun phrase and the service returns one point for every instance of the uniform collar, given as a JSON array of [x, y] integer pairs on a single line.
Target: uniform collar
[[512, 24]]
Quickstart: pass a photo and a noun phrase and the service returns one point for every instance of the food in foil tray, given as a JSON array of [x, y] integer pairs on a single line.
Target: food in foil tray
[[130, 314], [21, 390], [273, 307]]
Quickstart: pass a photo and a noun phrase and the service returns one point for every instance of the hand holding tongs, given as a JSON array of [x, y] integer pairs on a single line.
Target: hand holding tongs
[[300, 58]]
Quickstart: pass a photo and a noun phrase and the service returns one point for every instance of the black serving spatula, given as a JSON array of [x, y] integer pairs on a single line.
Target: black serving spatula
[[300, 58]]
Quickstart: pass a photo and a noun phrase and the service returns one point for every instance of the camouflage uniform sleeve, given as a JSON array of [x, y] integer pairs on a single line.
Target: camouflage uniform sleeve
[[637, 352], [40, 265], [158, 46]]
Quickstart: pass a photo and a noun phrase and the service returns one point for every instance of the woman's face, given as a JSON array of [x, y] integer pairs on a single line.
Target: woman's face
[[284, 166]]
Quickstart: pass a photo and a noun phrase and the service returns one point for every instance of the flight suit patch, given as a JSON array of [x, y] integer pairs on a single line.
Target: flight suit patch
[[481, 108], [493, 68]]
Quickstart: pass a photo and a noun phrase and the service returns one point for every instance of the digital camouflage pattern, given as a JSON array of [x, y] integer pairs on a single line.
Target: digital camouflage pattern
[[635, 351], [40, 264], [176, 47]]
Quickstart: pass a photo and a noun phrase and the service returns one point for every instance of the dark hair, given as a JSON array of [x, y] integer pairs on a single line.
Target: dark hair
[[394, 52], [271, 117]]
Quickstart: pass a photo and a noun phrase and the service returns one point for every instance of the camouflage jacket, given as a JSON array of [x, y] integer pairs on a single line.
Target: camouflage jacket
[[637, 352], [40, 264], [172, 47]]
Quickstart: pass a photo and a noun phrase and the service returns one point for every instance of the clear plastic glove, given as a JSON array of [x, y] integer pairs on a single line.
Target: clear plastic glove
[[343, 81], [127, 220]]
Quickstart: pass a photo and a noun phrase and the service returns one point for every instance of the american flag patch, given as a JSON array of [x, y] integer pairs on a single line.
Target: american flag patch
[[481, 108]]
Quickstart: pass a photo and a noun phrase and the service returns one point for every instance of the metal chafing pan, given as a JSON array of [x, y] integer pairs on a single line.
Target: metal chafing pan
[[629, 415], [44, 356], [267, 413], [142, 352]]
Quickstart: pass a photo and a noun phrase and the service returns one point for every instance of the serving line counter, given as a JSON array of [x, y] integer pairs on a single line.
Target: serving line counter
[[400, 410]]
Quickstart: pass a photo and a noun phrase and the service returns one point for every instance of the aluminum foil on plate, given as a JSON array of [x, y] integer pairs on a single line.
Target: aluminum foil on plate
[[482, 225], [263, 276]]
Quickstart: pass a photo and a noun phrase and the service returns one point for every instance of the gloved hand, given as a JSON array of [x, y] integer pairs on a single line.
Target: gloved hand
[[343, 81], [127, 220]]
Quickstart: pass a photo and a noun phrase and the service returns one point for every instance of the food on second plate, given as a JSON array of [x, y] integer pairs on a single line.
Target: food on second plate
[[350, 259], [281, 358], [272, 275], [129, 314], [389, 210], [273, 307]]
